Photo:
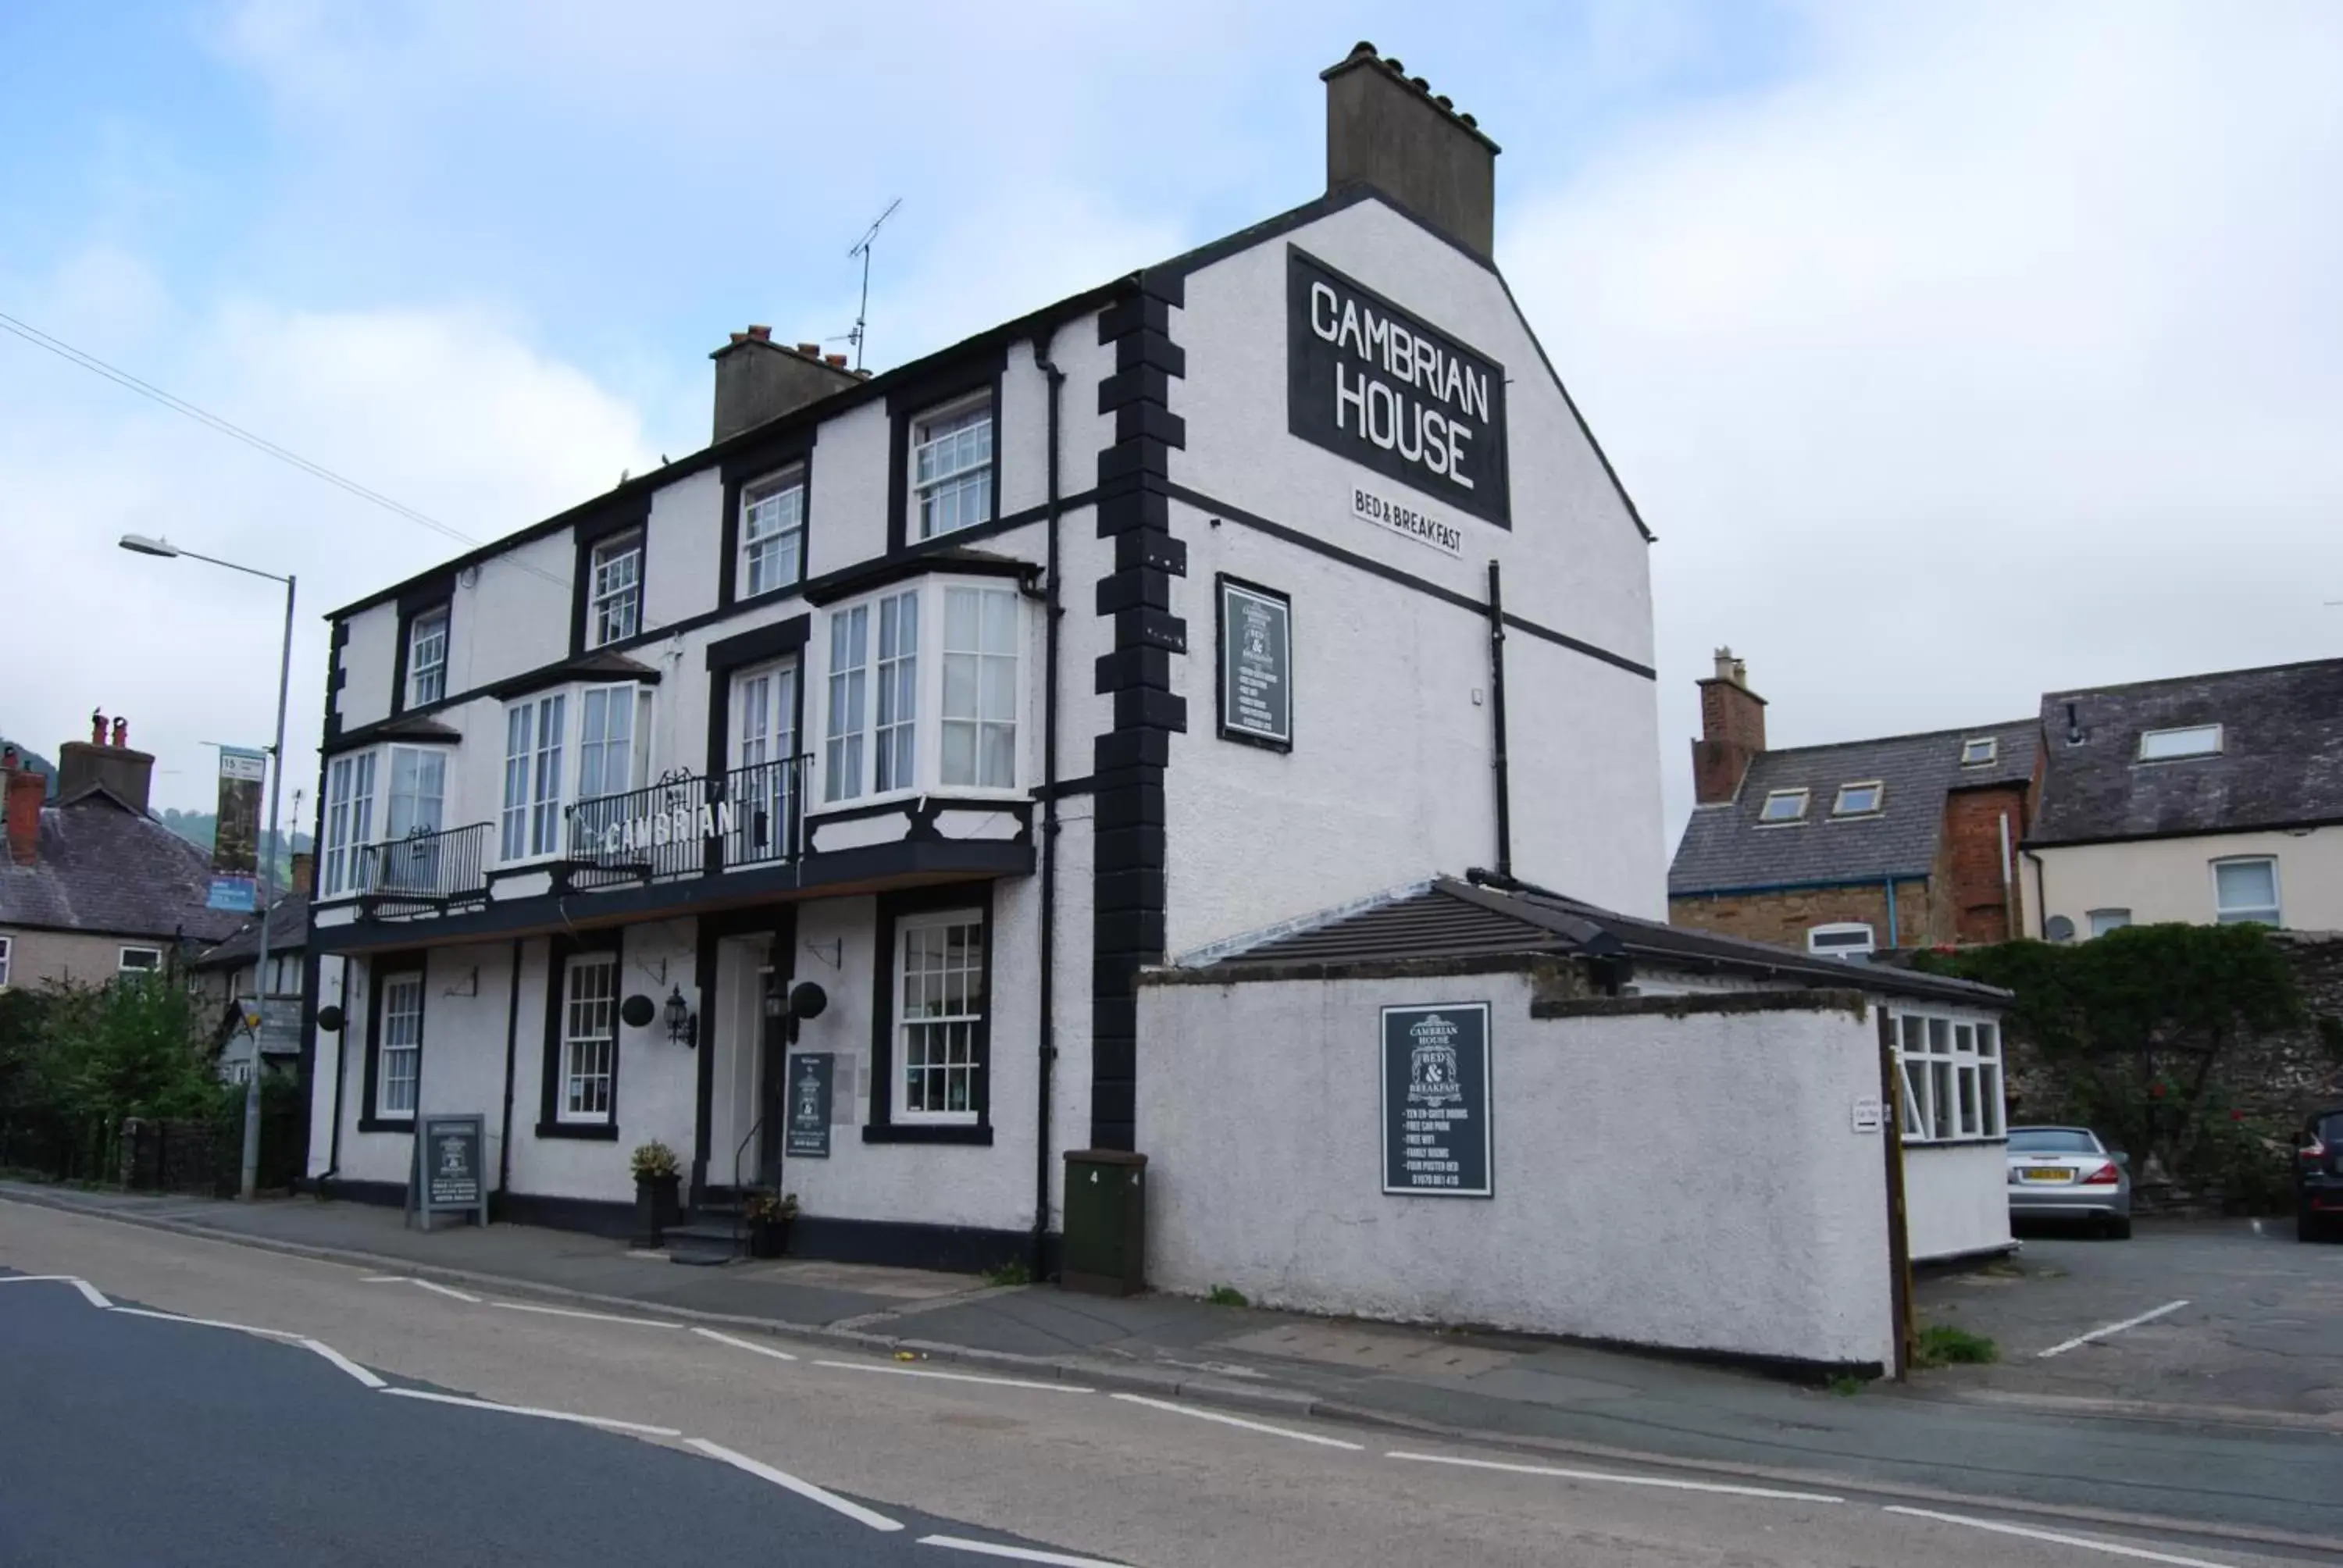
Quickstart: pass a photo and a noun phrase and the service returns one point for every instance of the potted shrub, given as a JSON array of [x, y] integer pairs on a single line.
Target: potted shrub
[[769, 1214], [657, 1178]]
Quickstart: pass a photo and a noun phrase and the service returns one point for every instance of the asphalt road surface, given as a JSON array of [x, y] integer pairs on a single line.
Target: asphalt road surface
[[126, 1438]]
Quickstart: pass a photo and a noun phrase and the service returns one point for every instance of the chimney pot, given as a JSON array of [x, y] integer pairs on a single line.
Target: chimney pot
[[1419, 83], [8, 758], [761, 334], [739, 337], [97, 726], [1393, 63], [811, 350], [835, 361], [122, 733]]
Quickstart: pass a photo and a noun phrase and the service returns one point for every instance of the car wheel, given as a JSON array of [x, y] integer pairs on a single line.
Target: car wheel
[[2119, 1228]]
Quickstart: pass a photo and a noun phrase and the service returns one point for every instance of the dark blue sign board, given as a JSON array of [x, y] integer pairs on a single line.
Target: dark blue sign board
[[808, 1133], [446, 1174], [1435, 1097]]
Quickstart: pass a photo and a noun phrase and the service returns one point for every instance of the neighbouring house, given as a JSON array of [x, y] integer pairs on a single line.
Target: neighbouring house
[[2204, 798], [1861, 846], [227, 977], [92, 886]]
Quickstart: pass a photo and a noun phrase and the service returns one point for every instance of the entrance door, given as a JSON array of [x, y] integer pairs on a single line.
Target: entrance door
[[772, 1080]]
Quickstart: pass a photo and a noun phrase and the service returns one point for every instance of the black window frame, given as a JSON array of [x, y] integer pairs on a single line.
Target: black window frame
[[738, 473], [382, 969], [559, 950], [588, 534], [908, 404], [439, 594], [887, 986]]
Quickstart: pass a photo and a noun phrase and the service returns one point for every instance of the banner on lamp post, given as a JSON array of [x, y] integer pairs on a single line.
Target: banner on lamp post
[[235, 837]]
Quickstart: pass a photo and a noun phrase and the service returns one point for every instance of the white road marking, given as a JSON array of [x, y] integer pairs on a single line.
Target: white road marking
[[1020, 1554], [2111, 1329], [423, 1284], [83, 1286], [1669, 1483], [2114, 1549], [779, 1355], [602, 1420], [805, 1489], [590, 1317], [207, 1323], [343, 1362], [958, 1377], [1236, 1420]]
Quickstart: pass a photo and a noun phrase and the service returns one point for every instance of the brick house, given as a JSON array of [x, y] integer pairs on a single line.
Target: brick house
[[1905, 841]]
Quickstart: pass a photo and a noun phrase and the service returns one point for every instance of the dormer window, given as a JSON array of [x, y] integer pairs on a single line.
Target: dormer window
[[1859, 799], [1980, 751], [1783, 806], [2170, 745], [614, 608], [951, 468]]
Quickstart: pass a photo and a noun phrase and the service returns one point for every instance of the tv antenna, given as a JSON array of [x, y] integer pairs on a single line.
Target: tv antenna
[[863, 250]]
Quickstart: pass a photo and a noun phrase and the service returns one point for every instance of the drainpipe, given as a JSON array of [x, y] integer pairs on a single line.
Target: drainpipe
[[2041, 908], [2008, 884], [1497, 706], [341, 1074], [512, 1039], [1052, 609], [1892, 939]]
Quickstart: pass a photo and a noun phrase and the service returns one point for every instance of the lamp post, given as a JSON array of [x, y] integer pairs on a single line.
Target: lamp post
[[139, 544]]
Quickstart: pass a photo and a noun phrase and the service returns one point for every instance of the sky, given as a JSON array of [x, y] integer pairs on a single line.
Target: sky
[[1953, 353]]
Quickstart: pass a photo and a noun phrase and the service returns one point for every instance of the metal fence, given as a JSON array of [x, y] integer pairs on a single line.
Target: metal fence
[[688, 825], [427, 869]]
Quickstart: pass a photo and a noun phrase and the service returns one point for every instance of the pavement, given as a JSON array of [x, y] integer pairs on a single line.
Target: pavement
[[292, 1409], [2027, 1434]]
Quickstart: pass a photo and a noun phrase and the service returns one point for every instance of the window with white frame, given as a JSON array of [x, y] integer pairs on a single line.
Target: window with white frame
[[895, 718], [614, 603], [2169, 745], [981, 691], [2102, 921], [7, 951], [2245, 888], [414, 811], [849, 680], [427, 658], [138, 960], [1979, 750], [951, 468], [399, 1057], [1843, 938], [349, 821], [613, 739], [1952, 1079], [773, 533], [529, 824], [1783, 806], [1859, 798], [940, 966], [589, 1039], [764, 741]]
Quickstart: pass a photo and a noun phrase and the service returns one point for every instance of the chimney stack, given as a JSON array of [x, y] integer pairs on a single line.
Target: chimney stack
[[1386, 130], [25, 791], [85, 764], [759, 380], [304, 874], [1732, 731]]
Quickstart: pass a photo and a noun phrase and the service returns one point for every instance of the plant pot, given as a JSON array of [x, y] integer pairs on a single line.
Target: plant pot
[[657, 1206], [769, 1239]]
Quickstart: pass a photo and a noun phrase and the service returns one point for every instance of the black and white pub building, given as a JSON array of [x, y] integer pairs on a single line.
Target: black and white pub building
[[1251, 585]]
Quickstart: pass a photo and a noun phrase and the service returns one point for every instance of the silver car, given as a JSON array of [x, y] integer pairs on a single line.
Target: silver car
[[2066, 1173]]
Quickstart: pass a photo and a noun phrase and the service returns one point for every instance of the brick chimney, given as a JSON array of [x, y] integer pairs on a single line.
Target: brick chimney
[[1732, 731], [759, 380], [1388, 130], [304, 875], [25, 791], [105, 760]]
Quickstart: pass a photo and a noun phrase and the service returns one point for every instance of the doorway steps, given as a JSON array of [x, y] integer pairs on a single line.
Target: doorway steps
[[716, 1235]]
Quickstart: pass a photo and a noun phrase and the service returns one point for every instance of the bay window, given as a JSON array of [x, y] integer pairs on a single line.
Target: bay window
[[530, 823], [571, 751], [895, 736], [849, 652], [900, 717], [981, 695], [349, 821]]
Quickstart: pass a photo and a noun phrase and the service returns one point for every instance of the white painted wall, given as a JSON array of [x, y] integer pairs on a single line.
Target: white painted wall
[[1690, 1183], [1956, 1198], [2172, 878], [366, 661]]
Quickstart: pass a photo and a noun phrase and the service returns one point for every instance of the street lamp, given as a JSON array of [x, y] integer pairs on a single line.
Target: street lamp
[[139, 544]]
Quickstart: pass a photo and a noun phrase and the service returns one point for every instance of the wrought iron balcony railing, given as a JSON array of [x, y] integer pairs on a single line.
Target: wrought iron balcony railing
[[424, 869], [688, 825]]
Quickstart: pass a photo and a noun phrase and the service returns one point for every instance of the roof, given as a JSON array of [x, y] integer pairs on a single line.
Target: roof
[[103, 867], [1726, 849], [288, 933], [1448, 918], [2280, 762]]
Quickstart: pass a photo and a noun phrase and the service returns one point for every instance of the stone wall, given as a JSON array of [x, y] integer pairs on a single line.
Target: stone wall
[[168, 1156], [1785, 917]]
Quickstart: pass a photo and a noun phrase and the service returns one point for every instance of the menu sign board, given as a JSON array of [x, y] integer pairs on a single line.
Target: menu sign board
[[1436, 1101], [1386, 389], [446, 1174], [1256, 665], [807, 1132]]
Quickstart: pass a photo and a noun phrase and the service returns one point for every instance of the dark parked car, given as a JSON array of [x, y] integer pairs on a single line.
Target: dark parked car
[[2318, 1176]]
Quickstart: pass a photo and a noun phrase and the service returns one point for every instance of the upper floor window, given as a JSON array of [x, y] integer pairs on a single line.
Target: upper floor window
[[773, 533], [139, 960], [951, 468], [536, 729], [614, 605], [1979, 750], [7, 945], [980, 693], [1859, 798], [418, 791], [2246, 889], [892, 706], [349, 821], [2105, 920], [2164, 745], [1783, 806], [427, 658], [765, 740]]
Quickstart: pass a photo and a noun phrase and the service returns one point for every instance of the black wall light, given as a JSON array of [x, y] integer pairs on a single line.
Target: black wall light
[[682, 1023]]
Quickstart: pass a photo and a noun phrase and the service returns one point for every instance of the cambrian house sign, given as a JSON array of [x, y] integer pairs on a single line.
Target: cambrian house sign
[[1384, 388]]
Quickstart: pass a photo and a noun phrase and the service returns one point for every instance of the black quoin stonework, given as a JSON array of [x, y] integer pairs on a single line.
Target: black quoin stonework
[[1134, 510]]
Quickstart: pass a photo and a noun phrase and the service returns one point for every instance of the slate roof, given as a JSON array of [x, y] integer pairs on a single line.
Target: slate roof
[[2280, 763], [105, 868], [1451, 918], [288, 933], [1724, 848]]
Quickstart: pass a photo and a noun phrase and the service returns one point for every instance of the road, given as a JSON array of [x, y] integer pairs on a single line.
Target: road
[[127, 1438]]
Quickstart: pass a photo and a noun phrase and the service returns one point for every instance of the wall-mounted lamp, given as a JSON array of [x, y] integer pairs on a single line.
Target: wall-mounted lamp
[[682, 1023]]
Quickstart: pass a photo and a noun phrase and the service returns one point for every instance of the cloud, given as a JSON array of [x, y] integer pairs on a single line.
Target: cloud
[[1991, 353]]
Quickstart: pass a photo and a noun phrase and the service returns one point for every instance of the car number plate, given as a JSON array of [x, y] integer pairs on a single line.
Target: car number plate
[[2045, 1173]]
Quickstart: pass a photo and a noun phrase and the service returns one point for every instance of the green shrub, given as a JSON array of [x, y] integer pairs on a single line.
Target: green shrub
[[1227, 1296], [1941, 1344]]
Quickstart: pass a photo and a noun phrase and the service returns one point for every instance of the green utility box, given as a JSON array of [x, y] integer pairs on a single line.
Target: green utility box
[[1106, 1222]]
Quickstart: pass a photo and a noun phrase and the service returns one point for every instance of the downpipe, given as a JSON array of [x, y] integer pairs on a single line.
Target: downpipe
[[1052, 611]]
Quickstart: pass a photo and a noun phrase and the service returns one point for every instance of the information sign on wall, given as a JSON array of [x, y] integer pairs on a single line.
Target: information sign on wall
[[1384, 388], [1436, 1101], [807, 1135], [1256, 637]]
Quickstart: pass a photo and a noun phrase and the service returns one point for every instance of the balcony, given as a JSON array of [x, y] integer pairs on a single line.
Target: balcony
[[687, 824], [425, 872]]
